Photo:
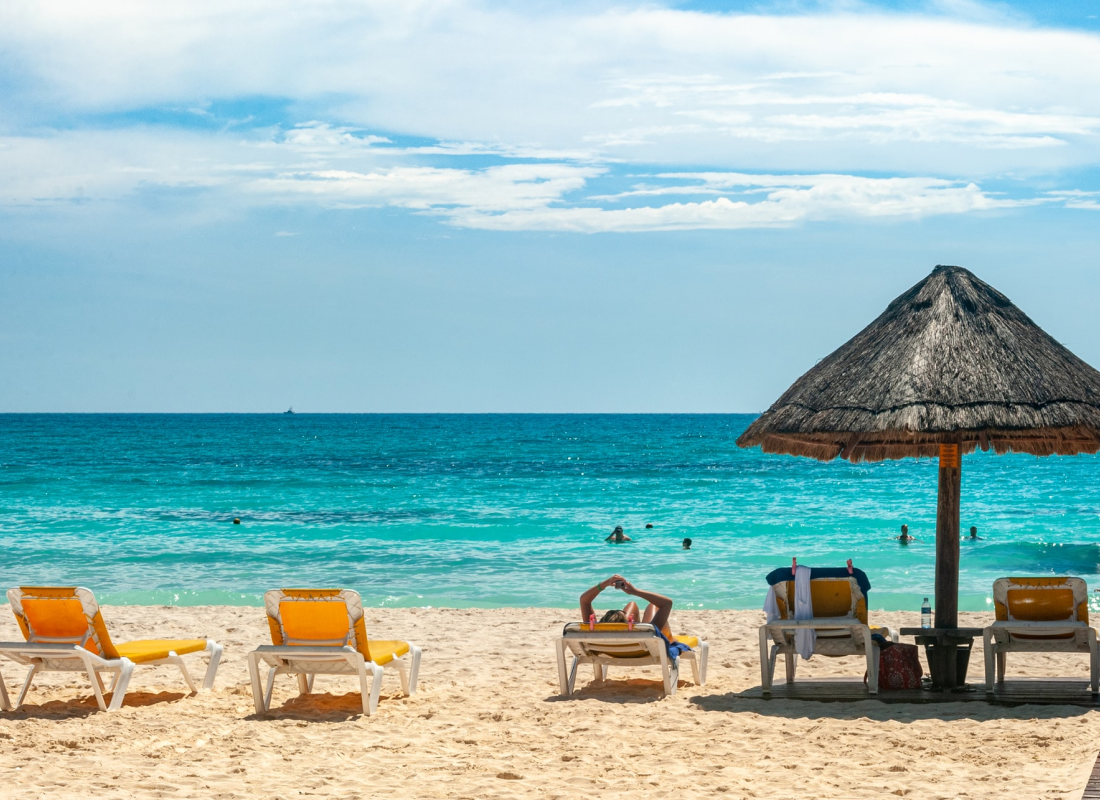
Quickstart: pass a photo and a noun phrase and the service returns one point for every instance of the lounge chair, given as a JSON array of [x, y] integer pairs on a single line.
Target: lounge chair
[[65, 632], [321, 632], [1040, 615], [610, 644], [838, 598]]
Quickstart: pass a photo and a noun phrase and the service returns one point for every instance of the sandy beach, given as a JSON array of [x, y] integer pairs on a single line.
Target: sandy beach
[[487, 722]]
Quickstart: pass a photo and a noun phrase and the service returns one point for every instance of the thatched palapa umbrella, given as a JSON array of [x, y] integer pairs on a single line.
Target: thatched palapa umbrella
[[950, 366]]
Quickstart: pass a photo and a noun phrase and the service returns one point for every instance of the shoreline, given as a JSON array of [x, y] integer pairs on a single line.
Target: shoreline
[[109, 599], [487, 721]]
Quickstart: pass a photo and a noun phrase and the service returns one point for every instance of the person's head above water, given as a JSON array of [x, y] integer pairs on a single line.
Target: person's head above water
[[973, 531], [687, 544], [617, 535]]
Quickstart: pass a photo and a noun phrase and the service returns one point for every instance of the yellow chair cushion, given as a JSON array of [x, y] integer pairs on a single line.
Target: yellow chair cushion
[[145, 650], [384, 651], [690, 641], [1041, 605]]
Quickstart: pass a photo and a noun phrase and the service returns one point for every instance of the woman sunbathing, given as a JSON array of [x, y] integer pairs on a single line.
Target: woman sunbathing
[[656, 613]]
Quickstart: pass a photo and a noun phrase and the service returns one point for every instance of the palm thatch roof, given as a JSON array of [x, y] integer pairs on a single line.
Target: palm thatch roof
[[952, 360]]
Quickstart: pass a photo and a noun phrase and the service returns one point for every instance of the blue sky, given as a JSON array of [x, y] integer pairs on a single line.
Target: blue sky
[[477, 206]]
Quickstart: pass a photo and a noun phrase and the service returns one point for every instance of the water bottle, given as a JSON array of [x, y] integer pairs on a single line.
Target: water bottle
[[925, 614]]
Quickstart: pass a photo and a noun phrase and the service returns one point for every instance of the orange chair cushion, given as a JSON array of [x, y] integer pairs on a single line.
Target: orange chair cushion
[[314, 620]]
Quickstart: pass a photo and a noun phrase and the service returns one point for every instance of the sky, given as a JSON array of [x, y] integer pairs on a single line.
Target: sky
[[460, 206]]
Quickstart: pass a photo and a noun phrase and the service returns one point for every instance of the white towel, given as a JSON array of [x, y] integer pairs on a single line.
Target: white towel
[[771, 608], [804, 638]]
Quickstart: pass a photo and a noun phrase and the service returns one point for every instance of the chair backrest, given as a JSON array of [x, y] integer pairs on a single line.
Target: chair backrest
[[830, 597], [61, 615], [331, 617], [1041, 600], [620, 649]]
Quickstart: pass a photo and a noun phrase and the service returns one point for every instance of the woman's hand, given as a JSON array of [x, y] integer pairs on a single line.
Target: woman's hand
[[615, 580]]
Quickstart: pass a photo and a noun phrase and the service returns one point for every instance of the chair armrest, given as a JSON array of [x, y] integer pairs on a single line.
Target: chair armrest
[[41, 647], [891, 633], [304, 651], [838, 623], [1023, 625]]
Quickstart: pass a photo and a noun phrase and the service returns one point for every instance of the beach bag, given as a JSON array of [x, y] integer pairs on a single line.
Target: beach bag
[[899, 667]]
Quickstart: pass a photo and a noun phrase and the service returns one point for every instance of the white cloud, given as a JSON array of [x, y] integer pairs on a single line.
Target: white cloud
[[766, 201], [509, 187], [963, 95], [331, 168], [1077, 199]]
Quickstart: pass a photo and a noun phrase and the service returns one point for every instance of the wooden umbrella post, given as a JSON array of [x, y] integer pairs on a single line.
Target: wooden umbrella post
[[947, 560]]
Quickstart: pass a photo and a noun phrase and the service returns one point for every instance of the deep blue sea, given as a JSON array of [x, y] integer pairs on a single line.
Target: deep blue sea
[[499, 510]]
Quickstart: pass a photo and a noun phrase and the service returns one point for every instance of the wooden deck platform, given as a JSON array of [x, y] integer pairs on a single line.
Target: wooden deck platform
[[1092, 788], [1043, 691]]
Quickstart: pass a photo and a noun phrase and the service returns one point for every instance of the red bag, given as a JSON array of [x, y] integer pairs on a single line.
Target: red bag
[[899, 667]]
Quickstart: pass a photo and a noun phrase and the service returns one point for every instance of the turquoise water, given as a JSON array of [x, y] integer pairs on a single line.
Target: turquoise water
[[498, 510]]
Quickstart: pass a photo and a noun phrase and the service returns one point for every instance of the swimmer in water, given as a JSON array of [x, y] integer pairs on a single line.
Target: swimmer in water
[[974, 532], [656, 613], [905, 538], [687, 544], [617, 535]]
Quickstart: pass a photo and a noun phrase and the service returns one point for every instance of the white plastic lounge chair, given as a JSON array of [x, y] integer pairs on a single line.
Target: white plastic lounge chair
[[1040, 615], [614, 644], [321, 632], [839, 602], [65, 632]]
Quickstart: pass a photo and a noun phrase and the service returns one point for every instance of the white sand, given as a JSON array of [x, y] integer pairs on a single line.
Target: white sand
[[487, 721]]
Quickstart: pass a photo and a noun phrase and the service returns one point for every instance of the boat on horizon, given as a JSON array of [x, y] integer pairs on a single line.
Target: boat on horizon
[[289, 410]]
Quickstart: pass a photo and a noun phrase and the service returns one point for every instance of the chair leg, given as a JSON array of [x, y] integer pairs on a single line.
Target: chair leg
[[370, 694], [270, 687], [214, 650], [672, 676], [870, 650], [27, 687], [572, 677], [121, 684], [563, 673], [254, 676], [765, 671], [990, 659], [99, 682], [5, 701], [597, 671], [414, 670], [1094, 662], [303, 684], [403, 673], [173, 658], [704, 654], [872, 669], [765, 677], [790, 664], [1002, 665]]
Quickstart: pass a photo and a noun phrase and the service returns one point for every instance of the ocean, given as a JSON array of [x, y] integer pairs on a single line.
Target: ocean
[[500, 510]]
